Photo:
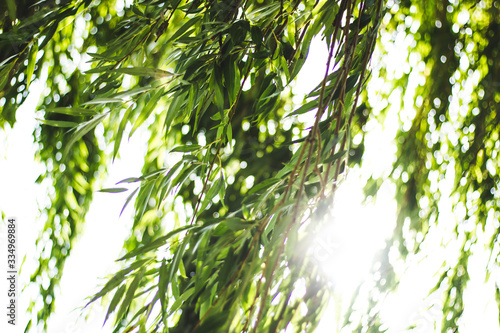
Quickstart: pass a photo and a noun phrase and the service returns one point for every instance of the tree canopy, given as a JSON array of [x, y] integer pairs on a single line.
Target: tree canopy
[[239, 178]]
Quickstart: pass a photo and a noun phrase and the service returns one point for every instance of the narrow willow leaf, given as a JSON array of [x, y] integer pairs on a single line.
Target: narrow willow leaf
[[83, 129], [264, 12], [102, 56], [117, 279], [230, 69], [12, 8], [174, 265], [119, 133], [147, 109], [72, 111], [58, 123], [114, 190], [132, 92], [129, 198], [184, 175], [162, 287], [156, 243], [184, 28], [165, 182], [130, 180], [31, 63], [186, 148], [130, 293], [257, 35], [4, 74], [143, 201], [48, 34], [144, 71], [334, 157], [114, 301], [216, 116], [214, 323], [309, 106], [182, 269], [6, 61], [152, 174], [218, 94], [183, 298], [284, 67], [103, 100], [222, 190], [229, 133], [265, 184], [291, 240], [176, 105], [228, 268], [211, 193], [236, 224], [100, 69]]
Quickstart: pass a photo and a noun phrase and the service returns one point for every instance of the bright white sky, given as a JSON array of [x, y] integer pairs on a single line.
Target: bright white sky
[[363, 228]]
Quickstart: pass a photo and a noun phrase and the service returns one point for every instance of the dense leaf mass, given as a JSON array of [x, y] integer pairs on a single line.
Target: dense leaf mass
[[238, 178], [448, 149]]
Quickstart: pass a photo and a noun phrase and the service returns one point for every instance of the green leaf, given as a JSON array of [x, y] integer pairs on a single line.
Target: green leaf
[[114, 190], [102, 56], [184, 174], [214, 323], [174, 265], [83, 129], [4, 74], [228, 268], [229, 133], [265, 11], [162, 286], [257, 35], [48, 34], [72, 111], [130, 180], [236, 224], [156, 243], [117, 279], [133, 92], [144, 71], [103, 100], [230, 79], [165, 182], [31, 63], [334, 157], [142, 201], [12, 8], [238, 31], [182, 269], [151, 101], [184, 28], [100, 69], [58, 123], [265, 184], [186, 148], [129, 198], [177, 103], [130, 294], [183, 298], [114, 301], [284, 68], [218, 93], [309, 106], [211, 193], [119, 133], [264, 54]]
